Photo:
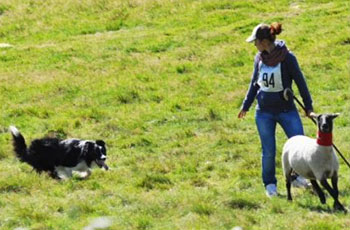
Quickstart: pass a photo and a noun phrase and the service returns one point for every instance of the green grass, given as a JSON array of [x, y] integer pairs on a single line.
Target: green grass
[[162, 83]]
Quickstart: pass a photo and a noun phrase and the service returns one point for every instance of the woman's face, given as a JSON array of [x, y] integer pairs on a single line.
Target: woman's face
[[259, 44]]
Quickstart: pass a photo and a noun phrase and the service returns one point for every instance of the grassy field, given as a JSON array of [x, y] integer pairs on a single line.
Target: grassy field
[[162, 82]]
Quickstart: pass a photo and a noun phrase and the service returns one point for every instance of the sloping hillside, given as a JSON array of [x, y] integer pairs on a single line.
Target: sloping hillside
[[161, 81]]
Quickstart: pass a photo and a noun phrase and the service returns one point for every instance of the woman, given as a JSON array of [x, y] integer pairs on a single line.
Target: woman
[[275, 67]]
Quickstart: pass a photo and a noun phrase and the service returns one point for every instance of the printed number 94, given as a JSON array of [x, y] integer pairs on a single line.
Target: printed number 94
[[269, 81]]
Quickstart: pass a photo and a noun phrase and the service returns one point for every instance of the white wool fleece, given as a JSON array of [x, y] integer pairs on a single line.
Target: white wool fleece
[[308, 159]]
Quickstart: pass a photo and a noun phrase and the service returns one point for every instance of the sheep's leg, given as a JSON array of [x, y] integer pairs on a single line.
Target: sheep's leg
[[335, 184], [318, 190], [288, 189], [337, 205], [288, 183]]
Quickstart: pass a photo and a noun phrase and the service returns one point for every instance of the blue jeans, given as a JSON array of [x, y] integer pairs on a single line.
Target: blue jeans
[[266, 123]]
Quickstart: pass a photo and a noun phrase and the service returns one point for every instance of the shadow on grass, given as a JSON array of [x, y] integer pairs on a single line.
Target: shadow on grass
[[240, 203], [317, 208], [310, 201]]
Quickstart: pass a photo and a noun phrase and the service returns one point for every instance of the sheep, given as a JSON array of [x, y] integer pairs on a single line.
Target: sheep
[[314, 160]]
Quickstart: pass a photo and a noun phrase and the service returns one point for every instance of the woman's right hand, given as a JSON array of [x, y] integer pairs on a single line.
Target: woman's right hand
[[242, 113]]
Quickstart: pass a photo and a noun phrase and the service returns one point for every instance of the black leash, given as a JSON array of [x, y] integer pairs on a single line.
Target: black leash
[[286, 94]]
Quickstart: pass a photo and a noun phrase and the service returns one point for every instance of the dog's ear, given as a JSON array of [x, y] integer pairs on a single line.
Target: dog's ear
[[88, 148], [101, 143]]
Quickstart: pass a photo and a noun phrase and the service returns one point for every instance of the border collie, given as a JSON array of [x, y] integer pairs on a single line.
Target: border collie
[[60, 157]]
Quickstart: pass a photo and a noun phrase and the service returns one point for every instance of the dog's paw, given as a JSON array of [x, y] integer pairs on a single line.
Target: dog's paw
[[83, 175]]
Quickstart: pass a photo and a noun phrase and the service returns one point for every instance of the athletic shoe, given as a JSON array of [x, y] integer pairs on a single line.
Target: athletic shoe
[[301, 182], [271, 190]]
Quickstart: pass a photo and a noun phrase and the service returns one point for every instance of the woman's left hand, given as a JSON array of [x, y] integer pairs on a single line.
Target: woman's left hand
[[311, 114]]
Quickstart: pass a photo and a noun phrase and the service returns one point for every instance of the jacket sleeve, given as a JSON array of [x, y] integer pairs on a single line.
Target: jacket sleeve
[[300, 81], [253, 88]]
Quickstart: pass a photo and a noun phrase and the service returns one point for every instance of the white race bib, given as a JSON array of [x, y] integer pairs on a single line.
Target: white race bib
[[270, 78]]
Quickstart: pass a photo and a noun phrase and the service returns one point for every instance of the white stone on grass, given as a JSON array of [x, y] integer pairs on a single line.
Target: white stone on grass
[[99, 223]]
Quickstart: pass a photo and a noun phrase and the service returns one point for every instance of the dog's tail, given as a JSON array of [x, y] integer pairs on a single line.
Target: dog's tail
[[19, 143]]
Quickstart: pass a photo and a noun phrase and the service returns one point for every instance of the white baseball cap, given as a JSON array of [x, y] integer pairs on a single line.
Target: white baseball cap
[[252, 37]]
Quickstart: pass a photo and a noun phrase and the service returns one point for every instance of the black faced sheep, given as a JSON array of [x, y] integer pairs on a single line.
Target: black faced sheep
[[314, 160]]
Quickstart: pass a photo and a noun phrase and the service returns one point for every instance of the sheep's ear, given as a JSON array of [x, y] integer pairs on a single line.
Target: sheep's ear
[[334, 115]]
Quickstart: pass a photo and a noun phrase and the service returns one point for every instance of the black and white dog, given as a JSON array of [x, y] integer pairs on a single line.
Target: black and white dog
[[60, 157]]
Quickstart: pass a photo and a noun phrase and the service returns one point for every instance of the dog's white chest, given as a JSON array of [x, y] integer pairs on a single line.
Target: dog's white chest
[[82, 166], [66, 172]]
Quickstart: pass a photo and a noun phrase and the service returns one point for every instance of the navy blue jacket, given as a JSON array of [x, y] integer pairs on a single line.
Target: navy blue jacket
[[273, 101]]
